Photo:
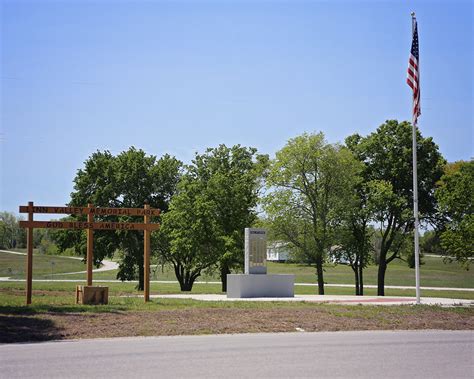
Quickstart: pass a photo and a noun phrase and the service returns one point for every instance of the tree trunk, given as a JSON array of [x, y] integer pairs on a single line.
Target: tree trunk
[[357, 282], [381, 277], [186, 285], [185, 278], [141, 276], [361, 280], [179, 272], [319, 274], [224, 271]]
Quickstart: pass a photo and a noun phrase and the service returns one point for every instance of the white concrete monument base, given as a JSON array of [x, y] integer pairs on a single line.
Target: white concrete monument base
[[258, 285]]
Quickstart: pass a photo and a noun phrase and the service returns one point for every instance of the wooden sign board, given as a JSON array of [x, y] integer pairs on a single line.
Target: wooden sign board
[[89, 225], [99, 211]]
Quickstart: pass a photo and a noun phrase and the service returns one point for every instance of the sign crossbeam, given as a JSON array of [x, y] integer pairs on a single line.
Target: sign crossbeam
[[89, 225]]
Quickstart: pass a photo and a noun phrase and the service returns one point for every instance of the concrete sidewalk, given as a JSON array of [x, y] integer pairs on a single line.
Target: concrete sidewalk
[[331, 299]]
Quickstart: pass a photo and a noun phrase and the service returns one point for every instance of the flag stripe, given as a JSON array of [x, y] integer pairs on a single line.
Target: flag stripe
[[413, 74]]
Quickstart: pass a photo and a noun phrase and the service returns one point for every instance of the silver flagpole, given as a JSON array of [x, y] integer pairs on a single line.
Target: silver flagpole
[[415, 193]]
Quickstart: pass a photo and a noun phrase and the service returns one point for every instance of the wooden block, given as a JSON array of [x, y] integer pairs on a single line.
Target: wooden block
[[92, 295]]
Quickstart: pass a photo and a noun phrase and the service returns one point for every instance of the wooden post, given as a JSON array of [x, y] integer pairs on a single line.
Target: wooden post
[[29, 258], [146, 258], [90, 247]]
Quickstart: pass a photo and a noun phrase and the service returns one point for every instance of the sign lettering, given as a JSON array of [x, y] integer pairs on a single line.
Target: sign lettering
[[89, 225], [100, 211]]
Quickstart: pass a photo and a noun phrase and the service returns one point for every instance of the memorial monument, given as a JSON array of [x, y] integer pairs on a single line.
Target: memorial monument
[[255, 282]]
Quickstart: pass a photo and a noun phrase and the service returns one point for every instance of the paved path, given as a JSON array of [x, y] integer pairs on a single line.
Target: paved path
[[392, 287], [106, 266], [368, 354], [12, 252], [443, 256], [330, 299]]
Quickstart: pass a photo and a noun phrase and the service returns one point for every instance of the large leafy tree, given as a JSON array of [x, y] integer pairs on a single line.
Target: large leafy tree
[[430, 243], [232, 180], [387, 158], [187, 238], [355, 233], [455, 195], [310, 184], [221, 186], [130, 179]]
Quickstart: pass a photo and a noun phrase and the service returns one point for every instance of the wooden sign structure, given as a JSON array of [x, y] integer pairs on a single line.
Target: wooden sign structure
[[146, 212]]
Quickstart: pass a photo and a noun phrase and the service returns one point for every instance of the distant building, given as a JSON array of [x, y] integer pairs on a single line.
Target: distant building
[[337, 255], [278, 252]]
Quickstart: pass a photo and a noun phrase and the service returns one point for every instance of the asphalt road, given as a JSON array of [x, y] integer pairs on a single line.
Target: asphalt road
[[371, 354]]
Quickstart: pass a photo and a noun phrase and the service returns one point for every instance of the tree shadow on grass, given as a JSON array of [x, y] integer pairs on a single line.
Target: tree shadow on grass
[[34, 323], [17, 328], [59, 309]]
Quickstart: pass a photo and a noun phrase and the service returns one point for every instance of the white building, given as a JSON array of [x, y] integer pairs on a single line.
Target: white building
[[337, 256], [278, 252]]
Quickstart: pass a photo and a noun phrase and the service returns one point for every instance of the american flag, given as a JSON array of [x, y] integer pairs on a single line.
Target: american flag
[[413, 77]]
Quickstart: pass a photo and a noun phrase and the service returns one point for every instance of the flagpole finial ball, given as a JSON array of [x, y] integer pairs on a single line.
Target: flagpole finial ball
[[412, 14]]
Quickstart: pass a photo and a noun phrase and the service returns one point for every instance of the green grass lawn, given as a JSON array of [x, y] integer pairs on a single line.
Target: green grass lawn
[[12, 293], [14, 265], [434, 273]]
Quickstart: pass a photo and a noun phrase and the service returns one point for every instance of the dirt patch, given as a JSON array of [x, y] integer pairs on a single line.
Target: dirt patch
[[47, 326]]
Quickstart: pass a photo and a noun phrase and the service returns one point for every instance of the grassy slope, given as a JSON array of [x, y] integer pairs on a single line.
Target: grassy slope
[[14, 266], [434, 273]]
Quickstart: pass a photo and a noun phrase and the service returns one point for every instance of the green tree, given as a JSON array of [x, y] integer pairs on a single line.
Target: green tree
[[387, 158], [130, 179], [409, 252], [11, 234], [43, 241], [222, 184], [455, 195], [310, 183], [187, 237], [355, 233], [430, 243], [231, 179]]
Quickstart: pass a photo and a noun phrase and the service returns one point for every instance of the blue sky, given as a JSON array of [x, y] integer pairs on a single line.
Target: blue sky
[[178, 77]]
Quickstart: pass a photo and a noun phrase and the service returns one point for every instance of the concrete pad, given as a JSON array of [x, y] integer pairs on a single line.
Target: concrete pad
[[329, 299], [258, 286]]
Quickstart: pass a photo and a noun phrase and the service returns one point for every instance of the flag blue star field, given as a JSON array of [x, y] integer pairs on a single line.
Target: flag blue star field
[[413, 77]]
